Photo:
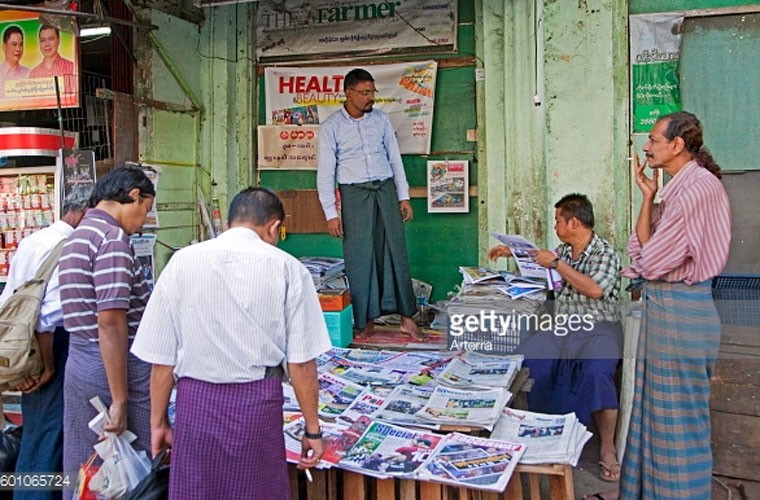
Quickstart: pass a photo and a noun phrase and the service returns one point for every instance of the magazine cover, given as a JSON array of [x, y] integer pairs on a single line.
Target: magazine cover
[[336, 394], [473, 462], [390, 450], [338, 438]]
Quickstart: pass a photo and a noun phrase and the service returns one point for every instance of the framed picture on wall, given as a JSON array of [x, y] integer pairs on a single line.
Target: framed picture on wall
[[448, 186]]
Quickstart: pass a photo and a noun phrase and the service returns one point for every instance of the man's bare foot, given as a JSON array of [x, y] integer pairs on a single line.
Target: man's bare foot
[[609, 468], [368, 330], [409, 327]]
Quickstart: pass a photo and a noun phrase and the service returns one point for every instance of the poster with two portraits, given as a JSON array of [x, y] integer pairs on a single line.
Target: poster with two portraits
[[33, 55]]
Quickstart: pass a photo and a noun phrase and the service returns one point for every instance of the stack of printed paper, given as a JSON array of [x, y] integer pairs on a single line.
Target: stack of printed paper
[[549, 438]]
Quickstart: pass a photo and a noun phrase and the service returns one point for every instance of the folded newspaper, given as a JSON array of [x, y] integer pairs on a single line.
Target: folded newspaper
[[473, 462], [549, 438]]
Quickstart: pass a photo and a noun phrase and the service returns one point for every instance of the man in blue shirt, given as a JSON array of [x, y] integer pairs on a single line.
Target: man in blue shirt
[[358, 151]]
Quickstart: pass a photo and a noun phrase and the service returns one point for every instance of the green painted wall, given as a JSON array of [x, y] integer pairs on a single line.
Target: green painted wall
[[169, 139], [437, 243], [573, 55], [648, 6]]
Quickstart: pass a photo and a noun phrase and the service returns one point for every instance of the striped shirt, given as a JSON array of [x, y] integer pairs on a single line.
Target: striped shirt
[[59, 67], [600, 262], [691, 231], [225, 309], [98, 271], [353, 151]]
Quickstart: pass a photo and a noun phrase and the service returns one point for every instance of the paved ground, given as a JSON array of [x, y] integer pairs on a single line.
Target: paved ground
[[586, 476]]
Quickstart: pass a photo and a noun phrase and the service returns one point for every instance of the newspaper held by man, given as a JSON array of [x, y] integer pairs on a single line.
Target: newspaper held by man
[[523, 251], [473, 462]]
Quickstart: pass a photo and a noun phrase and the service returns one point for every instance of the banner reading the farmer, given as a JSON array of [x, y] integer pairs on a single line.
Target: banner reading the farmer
[[289, 30]]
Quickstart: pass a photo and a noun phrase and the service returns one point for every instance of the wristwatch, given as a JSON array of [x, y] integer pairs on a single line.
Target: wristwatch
[[313, 435], [554, 263]]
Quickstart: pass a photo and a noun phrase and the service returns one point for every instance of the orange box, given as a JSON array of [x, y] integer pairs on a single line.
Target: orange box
[[334, 300]]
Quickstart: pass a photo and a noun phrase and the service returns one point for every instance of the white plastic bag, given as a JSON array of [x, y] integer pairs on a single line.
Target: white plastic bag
[[123, 467]]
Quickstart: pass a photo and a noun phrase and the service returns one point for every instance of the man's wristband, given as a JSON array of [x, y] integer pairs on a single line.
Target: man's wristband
[[312, 435], [554, 263]]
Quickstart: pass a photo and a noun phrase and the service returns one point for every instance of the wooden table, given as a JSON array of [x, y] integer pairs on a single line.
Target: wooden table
[[337, 484]]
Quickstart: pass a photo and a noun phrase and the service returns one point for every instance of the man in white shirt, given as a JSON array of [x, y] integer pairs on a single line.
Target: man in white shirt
[[223, 317], [42, 399]]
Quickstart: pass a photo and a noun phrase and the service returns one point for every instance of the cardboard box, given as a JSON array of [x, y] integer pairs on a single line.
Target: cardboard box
[[340, 326], [334, 300]]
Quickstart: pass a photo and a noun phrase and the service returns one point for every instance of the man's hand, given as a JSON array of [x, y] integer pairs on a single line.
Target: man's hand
[[544, 257], [647, 186], [311, 452], [30, 385], [335, 227], [161, 437], [118, 416], [499, 251], [406, 210]]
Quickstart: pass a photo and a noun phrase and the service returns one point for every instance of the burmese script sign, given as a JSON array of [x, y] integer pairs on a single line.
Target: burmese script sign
[[292, 29], [33, 56], [287, 147], [308, 95]]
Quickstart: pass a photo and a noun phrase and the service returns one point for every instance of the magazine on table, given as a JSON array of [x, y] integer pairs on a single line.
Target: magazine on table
[[336, 394], [523, 252], [368, 375], [331, 433], [473, 462], [389, 450], [414, 362], [480, 275], [289, 395], [461, 373], [480, 408], [337, 438], [323, 266], [549, 438], [402, 404], [364, 406]]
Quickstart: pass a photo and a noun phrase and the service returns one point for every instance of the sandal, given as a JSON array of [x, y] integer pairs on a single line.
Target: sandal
[[609, 473]]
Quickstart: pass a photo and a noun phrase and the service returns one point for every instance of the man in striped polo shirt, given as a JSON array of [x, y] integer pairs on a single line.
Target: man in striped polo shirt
[[103, 295]]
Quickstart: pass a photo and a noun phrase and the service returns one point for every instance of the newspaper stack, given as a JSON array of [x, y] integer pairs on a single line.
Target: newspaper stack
[[548, 438], [473, 462], [326, 272], [475, 408], [401, 406], [505, 282]]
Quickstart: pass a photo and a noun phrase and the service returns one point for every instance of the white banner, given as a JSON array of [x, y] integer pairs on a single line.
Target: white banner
[[287, 147], [307, 96], [291, 29]]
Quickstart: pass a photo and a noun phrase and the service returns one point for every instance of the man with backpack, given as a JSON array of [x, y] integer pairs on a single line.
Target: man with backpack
[[42, 398]]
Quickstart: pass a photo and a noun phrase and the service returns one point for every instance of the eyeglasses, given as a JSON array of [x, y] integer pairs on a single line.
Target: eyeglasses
[[365, 93]]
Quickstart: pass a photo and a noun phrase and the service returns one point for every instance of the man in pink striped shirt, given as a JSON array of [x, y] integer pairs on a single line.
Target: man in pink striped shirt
[[677, 247], [52, 63]]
